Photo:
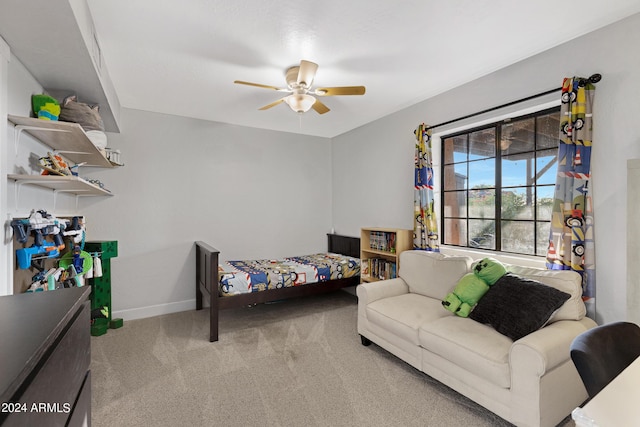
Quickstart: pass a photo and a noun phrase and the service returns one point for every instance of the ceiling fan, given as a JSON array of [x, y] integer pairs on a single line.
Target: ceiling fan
[[299, 80]]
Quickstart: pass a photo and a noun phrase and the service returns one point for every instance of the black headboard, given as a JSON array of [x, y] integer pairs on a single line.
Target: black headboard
[[345, 245]]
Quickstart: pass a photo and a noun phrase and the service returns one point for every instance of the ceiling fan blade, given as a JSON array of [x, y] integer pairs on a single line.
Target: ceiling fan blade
[[273, 104], [343, 90], [307, 72], [320, 107], [240, 82]]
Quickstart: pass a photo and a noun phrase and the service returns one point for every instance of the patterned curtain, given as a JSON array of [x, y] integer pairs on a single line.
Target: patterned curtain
[[425, 226], [571, 244]]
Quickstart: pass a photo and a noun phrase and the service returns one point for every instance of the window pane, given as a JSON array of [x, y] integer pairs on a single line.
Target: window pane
[[455, 204], [482, 234], [517, 170], [542, 234], [547, 166], [517, 203], [517, 236], [545, 202], [482, 203], [518, 136], [455, 177], [548, 130], [482, 173], [455, 232], [455, 149], [482, 144]]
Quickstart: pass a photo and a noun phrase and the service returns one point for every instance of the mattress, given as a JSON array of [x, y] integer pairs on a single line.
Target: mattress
[[241, 277]]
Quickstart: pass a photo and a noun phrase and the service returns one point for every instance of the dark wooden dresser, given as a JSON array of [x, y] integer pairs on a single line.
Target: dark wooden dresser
[[45, 352]]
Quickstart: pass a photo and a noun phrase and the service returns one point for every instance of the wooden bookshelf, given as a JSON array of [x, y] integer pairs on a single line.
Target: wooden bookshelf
[[380, 250]]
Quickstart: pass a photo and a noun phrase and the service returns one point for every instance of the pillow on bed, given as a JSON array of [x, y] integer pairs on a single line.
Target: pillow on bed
[[516, 306]]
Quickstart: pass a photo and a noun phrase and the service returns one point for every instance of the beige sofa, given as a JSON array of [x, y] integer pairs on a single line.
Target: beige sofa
[[529, 382]]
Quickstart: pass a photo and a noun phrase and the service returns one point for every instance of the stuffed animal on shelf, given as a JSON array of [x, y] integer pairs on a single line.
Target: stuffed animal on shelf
[[45, 107], [472, 286]]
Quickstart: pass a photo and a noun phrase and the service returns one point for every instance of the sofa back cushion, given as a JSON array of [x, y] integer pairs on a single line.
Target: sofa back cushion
[[432, 274], [564, 280]]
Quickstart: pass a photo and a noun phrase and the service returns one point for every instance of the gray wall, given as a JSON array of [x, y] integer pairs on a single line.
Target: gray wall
[[372, 164], [250, 193]]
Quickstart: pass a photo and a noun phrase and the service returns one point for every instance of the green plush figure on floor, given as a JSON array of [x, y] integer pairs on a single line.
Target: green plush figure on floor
[[472, 286]]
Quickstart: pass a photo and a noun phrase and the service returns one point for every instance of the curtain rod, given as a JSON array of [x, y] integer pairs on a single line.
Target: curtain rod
[[595, 78]]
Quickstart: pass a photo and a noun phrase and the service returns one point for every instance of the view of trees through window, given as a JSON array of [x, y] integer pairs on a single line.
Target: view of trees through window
[[498, 184]]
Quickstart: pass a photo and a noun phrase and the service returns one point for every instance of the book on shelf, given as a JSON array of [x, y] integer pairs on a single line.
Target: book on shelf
[[379, 268], [364, 268], [382, 241]]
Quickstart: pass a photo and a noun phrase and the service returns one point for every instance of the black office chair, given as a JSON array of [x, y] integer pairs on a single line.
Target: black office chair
[[601, 353]]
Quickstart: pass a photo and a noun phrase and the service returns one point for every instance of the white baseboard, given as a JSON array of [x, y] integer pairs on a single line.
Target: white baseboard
[[154, 310]]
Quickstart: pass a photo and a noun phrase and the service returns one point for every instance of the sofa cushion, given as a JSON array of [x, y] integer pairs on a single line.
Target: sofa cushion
[[564, 280], [516, 306], [403, 314], [432, 274], [470, 345]]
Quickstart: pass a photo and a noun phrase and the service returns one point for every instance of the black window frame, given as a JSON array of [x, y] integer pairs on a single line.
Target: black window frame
[[498, 184]]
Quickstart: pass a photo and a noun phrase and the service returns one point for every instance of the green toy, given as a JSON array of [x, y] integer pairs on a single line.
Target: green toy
[[472, 286], [45, 107], [490, 270]]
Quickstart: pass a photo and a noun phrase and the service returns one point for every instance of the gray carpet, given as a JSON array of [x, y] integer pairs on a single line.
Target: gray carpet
[[293, 363]]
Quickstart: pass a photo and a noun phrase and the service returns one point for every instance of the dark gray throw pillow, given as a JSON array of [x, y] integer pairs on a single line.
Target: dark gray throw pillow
[[516, 306]]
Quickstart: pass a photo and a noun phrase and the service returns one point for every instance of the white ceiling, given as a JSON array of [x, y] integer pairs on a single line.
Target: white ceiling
[[181, 57]]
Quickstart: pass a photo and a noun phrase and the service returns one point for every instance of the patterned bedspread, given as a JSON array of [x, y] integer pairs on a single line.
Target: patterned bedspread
[[240, 277]]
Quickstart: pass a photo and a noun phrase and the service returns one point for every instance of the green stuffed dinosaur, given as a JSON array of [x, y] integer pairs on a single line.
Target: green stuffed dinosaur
[[472, 286]]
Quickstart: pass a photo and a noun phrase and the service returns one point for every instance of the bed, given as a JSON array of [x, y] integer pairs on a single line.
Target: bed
[[219, 296]]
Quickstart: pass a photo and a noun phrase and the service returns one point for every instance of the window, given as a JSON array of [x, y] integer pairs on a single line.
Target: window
[[498, 184]]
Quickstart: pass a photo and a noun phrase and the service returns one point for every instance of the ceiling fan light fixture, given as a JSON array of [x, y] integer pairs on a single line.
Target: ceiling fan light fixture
[[299, 81], [300, 103]]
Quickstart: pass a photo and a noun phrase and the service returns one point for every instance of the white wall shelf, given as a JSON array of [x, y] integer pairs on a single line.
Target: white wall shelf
[[65, 138], [61, 184]]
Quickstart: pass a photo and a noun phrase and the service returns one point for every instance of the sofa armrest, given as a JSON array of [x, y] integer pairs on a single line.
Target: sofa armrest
[[546, 348], [370, 292], [542, 372]]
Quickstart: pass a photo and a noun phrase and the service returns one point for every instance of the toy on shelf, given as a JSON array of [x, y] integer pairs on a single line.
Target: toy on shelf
[[55, 278], [81, 261], [41, 224], [52, 164], [45, 107], [44, 280], [26, 256]]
